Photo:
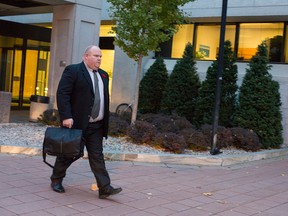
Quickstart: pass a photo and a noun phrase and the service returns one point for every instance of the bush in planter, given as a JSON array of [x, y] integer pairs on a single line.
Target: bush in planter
[[245, 139], [50, 117], [171, 142], [259, 101], [205, 103], [182, 87], [167, 123], [141, 132], [152, 86], [224, 136], [161, 122], [195, 139], [117, 125]]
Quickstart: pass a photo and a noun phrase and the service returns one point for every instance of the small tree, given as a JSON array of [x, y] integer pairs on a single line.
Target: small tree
[[152, 87], [206, 100], [259, 101], [182, 86], [141, 26]]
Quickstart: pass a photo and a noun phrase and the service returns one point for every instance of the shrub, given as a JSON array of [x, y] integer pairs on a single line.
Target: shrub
[[50, 117], [162, 122], [171, 142], [152, 86], [141, 132], [167, 123], [117, 125], [224, 136], [259, 101], [175, 134], [182, 122], [195, 139], [245, 139], [182, 87], [206, 99]]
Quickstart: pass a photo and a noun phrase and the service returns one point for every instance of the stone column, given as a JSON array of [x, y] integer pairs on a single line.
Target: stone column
[[5, 106], [74, 27]]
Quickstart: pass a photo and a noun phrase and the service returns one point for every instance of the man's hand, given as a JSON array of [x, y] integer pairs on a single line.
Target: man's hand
[[68, 123]]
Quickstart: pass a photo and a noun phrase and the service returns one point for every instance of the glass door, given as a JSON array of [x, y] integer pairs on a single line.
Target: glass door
[[30, 76], [16, 59], [6, 68], [42, 73], [24, 69]]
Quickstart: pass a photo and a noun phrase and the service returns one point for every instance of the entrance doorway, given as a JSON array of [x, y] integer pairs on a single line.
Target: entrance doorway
[[24, 61], [24, 72]]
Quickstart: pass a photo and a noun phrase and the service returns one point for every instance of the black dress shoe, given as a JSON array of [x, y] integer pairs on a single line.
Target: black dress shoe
[[57, 187], [108, 191]]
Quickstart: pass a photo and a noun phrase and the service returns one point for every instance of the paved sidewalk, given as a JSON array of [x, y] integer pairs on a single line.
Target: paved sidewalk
[[256, 188]]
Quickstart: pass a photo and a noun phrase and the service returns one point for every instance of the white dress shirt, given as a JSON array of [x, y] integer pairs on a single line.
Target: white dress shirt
[[101, 92]]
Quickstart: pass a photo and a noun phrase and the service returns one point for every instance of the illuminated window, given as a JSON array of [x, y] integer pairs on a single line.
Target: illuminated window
[[286, 46], [208, 37], [106, 44], [253, 34], [106, 31], [107, 47], [180, 40]]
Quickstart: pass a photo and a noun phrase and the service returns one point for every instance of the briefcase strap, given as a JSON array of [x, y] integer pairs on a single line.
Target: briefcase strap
[[44, 154]]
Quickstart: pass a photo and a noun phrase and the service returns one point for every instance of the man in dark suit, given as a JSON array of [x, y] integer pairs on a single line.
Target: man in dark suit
[[83, 103]]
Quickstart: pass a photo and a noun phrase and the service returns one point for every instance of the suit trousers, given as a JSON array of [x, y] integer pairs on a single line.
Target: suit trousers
[[93, 136]]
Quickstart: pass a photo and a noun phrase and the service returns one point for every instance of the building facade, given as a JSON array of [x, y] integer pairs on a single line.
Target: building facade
[[37, 63]]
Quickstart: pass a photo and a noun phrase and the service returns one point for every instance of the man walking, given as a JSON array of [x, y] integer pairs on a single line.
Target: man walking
[[83, 103]]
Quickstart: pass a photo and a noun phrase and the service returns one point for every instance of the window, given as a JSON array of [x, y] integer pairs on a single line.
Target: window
[[180, 40], [207, 41], [253, 34], [286, 46], [107, 48]]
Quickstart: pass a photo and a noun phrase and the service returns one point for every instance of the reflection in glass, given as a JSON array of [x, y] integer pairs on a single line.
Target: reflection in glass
[[208, 37], [253, 34]]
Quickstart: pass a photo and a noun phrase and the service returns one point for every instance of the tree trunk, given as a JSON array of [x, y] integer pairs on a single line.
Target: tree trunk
[[136, 96]]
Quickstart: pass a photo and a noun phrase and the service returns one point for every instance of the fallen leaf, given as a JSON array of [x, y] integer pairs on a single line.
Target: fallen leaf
[[208, 194], [93, 187], [221, 201]]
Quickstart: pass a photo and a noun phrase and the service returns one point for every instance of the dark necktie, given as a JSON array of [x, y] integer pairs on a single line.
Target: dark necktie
[[96, 105]]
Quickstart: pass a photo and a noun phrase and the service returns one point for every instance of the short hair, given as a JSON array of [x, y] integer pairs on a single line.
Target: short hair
[[89, 48]]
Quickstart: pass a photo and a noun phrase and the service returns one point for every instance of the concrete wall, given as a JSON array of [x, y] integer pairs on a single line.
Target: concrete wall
[[236, 8], [241, 10], [5, 106]]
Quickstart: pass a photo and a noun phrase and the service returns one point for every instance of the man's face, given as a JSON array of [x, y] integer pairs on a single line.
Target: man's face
[[93, 58]]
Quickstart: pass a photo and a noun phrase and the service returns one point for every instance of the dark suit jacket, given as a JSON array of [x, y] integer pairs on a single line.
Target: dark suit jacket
[[75, 96]]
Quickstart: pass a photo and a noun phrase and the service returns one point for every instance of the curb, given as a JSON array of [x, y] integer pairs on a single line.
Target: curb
[[209, 160]]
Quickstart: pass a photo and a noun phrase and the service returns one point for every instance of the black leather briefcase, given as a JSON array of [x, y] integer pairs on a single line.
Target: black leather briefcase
[[63, 142]]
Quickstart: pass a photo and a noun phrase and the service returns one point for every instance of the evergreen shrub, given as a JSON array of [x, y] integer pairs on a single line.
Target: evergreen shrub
[[259, 101], [152, 86], [182, 87], [205, 103]]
